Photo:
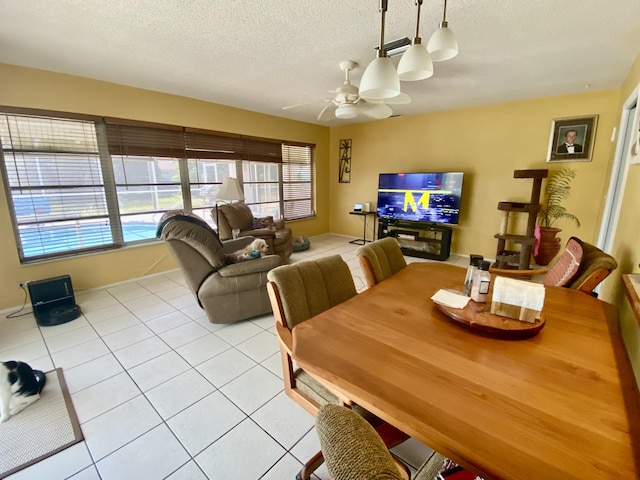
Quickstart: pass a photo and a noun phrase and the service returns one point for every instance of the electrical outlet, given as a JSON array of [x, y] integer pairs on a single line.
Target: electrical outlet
[[22, 284]]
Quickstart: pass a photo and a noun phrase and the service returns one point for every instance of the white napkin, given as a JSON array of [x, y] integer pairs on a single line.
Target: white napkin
[[450, 299], [518, 292]]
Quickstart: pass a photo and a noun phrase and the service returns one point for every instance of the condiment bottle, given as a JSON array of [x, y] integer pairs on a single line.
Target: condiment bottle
[[481, 282], [474, 261]]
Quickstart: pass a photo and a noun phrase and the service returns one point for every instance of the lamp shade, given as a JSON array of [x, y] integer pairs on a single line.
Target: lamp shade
[[347, 110], [230, 190], [415, 64], [442, 44], [380, 80]]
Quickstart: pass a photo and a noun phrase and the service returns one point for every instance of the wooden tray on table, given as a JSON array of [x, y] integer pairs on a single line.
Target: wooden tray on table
[[478, 317]]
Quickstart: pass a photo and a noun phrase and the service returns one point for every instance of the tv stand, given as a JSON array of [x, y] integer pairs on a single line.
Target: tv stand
[[418, 239]]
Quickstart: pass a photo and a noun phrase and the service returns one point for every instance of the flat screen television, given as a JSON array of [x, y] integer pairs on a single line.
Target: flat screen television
[[431, 197]]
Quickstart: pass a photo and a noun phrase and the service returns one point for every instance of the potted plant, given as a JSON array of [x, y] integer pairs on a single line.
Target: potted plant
[[551, 210]]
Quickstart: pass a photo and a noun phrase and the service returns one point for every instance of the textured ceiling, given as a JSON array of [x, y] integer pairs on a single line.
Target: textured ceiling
[[262, 55]]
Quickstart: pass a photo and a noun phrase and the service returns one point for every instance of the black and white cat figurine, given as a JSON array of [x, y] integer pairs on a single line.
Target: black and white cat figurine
[[20, 386]]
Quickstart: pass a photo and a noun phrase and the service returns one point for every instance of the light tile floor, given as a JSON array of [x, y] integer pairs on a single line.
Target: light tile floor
[[161, 393]]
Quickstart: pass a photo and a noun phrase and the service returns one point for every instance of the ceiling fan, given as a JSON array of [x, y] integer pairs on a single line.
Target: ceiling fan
[[347, 103]]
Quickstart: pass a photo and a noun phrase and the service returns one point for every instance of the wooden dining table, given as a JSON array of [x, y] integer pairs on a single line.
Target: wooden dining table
[[560, 405]]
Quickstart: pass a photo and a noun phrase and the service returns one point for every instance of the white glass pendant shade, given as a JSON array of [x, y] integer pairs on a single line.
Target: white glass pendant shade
[[347, 110], [442, 44], [415, 64], [380, 80]]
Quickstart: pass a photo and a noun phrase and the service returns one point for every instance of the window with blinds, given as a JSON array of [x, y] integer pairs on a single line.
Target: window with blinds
[[55, 185], [84, 183], [297, 181], [211, 157], [146, 170], [261, 185]]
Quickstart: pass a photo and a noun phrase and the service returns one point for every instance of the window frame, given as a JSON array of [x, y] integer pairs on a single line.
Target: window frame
[[198, 144]]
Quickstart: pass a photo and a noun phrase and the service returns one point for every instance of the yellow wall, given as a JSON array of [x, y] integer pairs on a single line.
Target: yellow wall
[[23, 87], [626, 244], [487, 143]]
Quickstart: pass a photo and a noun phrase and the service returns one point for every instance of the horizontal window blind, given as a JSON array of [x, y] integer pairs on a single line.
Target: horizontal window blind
[[213, 145], [133, 140], [262, 150], [297, 181], [55, 185]]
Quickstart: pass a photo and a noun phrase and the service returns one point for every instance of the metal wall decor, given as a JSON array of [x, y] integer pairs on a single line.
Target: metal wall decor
[[344, 168]]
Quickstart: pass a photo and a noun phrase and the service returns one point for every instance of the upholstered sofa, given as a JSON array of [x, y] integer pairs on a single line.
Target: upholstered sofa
[[238, 216], [226, 292]]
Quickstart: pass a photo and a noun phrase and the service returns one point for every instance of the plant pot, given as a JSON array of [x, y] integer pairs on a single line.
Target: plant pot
[[549, 245]]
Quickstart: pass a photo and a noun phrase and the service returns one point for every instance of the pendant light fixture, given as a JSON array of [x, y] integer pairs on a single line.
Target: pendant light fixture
[[380, 80], [415, 63], [443, 44]]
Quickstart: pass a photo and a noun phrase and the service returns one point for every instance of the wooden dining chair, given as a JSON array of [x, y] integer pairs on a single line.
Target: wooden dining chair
[[298, 292], [353, 450], [380, 260], [581, 266]]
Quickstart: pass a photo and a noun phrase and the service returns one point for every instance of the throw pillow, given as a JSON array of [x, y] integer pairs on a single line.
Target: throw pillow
[[263, 222]]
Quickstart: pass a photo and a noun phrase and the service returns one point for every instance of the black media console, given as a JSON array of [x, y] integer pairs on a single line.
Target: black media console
[[418, 239]]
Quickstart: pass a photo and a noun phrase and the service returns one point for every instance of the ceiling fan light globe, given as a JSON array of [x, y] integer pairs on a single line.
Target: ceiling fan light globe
[[346, 111], [415, 64], [442, 44], [380, 80]]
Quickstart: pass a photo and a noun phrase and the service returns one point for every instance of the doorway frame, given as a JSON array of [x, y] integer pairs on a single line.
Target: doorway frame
[[619, 173]]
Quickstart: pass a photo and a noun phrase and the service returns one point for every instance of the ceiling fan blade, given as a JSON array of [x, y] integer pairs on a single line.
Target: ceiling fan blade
[[376, 110], [305, 104], [400, 99], [323, 115]]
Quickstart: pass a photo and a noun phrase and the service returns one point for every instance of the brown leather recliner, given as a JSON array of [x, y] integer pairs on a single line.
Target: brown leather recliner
[[238, 215], [227, 293]]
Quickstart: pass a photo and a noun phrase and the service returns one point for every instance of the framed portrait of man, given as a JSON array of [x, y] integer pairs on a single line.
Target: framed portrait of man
[[572, 139]]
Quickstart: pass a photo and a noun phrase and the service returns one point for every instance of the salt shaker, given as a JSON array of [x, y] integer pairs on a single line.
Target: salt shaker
[[481, 282], [474, 262]]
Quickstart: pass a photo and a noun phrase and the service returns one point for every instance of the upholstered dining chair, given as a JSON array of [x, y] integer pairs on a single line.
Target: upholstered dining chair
[[353, 450], [581, 266], [380, 260], [298, 292]]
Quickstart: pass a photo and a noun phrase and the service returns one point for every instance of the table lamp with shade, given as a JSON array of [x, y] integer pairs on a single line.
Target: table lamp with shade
[[229, 191]]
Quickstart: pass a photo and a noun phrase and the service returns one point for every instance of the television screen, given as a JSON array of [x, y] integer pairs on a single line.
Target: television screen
[[420, 197]]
